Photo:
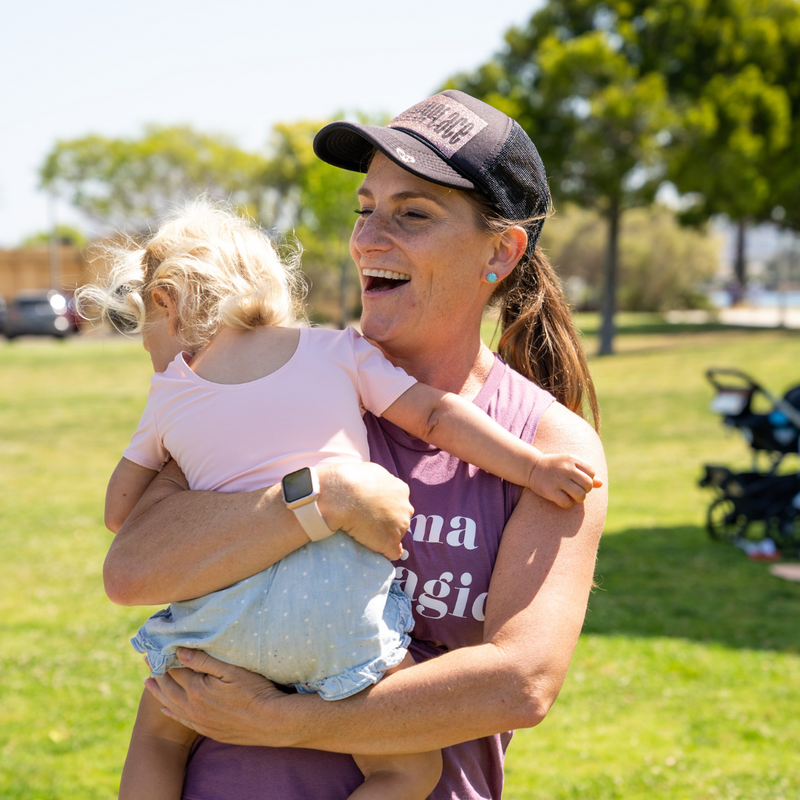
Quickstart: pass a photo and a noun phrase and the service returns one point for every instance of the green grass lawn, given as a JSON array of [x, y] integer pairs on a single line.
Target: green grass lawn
[[685, 684]]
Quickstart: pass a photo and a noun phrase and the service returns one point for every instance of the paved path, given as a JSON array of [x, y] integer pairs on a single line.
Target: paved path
[[755, 317], [762, 317]]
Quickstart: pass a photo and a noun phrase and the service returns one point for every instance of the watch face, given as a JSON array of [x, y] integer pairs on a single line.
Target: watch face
[[297, 485]]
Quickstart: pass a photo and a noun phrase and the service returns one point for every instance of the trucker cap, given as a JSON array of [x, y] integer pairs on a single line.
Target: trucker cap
[[455, 140]]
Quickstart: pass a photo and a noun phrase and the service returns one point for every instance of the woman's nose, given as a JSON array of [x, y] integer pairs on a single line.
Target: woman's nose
[[370, 234]]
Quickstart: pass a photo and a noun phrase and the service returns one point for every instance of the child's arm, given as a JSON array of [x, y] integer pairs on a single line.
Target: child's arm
[[157, 756], [126, 486], [456, 425]]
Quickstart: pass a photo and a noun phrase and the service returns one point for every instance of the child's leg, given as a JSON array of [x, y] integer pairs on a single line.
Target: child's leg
[[406, 777], [157, 755]]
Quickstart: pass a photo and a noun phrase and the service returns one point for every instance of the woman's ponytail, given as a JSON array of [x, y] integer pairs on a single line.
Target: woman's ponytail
[[539, 339]]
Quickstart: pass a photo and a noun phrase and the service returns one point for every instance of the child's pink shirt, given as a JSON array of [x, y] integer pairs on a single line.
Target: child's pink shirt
[[241, 437]]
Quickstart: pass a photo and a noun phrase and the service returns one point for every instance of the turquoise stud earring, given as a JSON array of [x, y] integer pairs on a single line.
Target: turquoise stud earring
[[491, 277]]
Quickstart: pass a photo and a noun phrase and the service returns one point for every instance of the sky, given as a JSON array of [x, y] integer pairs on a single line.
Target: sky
[[237, 68]]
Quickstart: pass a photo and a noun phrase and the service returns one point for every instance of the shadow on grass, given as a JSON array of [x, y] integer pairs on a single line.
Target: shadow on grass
[[677, 582]]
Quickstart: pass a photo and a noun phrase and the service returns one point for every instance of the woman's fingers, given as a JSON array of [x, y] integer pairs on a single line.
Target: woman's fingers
[[200, 661], [216, 699], [367, 502]]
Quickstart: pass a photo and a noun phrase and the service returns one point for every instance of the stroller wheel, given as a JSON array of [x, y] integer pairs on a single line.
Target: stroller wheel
[[724, 522]]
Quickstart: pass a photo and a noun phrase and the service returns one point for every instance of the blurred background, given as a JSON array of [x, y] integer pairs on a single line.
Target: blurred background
[[114, 112], [669, 129], [671, 134]]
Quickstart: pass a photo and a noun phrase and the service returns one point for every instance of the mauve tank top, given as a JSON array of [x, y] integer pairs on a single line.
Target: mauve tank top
[[449, 554]]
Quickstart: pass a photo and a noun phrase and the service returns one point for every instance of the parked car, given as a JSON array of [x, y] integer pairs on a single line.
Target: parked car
[[2, 314], [40, 313]]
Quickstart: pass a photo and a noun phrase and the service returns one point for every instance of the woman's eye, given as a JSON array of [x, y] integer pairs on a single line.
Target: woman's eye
[[362, 212], [415, 214]]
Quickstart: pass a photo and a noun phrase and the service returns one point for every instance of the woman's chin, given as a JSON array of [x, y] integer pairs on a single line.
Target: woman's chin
[[381, 326]]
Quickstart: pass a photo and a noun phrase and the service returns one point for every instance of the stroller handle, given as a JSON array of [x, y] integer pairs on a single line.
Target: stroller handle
[[750, 384], [788, 410]]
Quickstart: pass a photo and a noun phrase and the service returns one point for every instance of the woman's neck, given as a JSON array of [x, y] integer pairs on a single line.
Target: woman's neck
[[461, 370]]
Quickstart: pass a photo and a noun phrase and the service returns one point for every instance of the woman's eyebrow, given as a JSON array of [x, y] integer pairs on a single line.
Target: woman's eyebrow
[[401, 196]]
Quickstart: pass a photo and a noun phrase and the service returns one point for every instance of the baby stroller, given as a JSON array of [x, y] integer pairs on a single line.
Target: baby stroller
[[759, 510]]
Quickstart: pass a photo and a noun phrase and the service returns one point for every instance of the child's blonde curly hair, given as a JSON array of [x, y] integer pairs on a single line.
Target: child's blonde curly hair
[[218, 268]]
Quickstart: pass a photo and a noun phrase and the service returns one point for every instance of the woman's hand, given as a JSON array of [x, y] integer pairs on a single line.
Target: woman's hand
[[216, 699], [367, 502]]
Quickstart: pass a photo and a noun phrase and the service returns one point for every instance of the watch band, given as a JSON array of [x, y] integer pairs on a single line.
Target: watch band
[[312, 521]]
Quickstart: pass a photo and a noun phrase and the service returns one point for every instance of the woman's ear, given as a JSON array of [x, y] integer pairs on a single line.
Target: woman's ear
[[509, 249], [165, 306]]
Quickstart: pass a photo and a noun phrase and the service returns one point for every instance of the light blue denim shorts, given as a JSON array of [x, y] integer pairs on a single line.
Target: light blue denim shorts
[[327, 618]]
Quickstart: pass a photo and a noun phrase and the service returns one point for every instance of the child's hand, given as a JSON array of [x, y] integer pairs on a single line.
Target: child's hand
[[563, 479]]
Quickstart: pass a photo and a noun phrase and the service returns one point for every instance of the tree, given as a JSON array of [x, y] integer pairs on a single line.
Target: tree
[[621, 95], [784, 171], [126, 183], [731, 70], [318, 201], [64, 234], [662, 265], [729, 65], [596, 118]]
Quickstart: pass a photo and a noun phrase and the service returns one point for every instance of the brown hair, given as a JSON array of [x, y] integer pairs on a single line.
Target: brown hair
[[538, 337]]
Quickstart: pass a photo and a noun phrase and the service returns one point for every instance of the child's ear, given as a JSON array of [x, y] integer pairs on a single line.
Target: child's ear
[[166, 305]]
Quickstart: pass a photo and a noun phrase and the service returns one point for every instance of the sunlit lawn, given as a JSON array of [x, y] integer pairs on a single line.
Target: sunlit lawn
[[686, 681], [685, 684]]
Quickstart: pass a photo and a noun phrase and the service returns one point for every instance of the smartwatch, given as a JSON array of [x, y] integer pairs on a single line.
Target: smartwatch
[[300, 493]]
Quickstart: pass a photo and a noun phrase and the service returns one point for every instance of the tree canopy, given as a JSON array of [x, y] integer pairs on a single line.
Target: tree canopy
[[621, 96], [317, 201], [663, 265], [64, 234], [125, 183], [129, 183]]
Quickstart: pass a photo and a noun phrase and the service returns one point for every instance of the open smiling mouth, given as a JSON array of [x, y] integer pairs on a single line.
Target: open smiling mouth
[[382, 280]]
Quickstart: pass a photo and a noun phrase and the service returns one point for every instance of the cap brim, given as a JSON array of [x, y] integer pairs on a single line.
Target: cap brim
[[348, 145]]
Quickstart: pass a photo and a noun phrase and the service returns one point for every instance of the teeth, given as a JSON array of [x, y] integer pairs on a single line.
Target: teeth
[[383, 273]]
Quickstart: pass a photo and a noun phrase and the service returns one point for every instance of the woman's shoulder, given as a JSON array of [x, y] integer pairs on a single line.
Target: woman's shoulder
[[562, 430]]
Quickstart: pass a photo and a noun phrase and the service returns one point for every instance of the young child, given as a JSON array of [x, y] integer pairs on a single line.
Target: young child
[[241, 399]]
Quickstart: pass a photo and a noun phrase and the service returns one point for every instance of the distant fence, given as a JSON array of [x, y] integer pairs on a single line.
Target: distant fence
[[32, 268]]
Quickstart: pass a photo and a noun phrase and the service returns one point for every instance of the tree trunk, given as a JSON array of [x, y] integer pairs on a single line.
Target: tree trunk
[[610, 289], [740, 261]]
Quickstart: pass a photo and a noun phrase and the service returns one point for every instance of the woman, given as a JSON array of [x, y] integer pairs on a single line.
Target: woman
[[450, 211]]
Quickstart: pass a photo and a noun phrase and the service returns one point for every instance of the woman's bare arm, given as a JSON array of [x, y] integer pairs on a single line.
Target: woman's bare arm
[[179, 544], [535, 610]]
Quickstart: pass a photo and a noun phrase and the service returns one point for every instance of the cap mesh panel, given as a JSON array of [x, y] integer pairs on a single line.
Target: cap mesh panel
[[515, 181]]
